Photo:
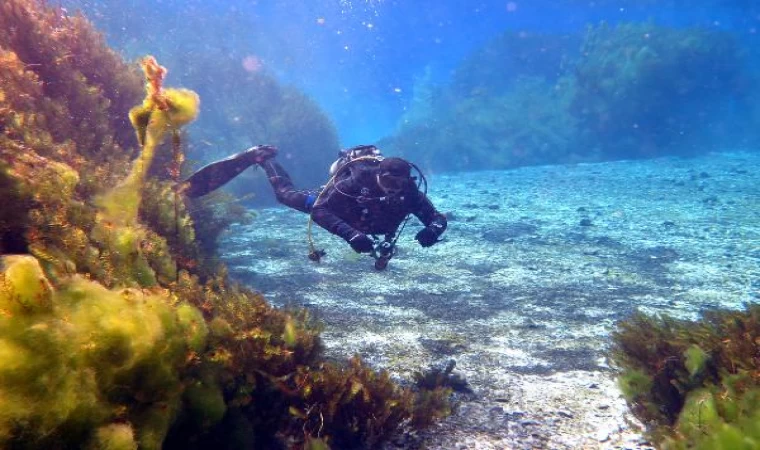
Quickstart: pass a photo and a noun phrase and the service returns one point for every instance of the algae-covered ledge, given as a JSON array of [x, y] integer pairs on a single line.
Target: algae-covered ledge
[[118, 327]]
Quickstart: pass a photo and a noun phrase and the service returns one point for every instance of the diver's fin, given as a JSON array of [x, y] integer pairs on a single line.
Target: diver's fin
[[219, 173]]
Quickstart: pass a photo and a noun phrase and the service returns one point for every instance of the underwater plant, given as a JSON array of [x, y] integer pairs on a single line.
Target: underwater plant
[[511, 55], [356, 407], [694, 384], [82, 364], [507, 106], [66, 140], [60, 142], [61, 86], [117, 329], [162, 112]]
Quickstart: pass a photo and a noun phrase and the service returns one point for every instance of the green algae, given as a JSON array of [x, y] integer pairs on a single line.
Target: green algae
[[70, 367]]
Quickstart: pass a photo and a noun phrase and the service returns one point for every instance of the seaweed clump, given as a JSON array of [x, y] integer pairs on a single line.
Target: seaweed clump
[[59, 139], [695, 384], [65, 139], [115, 332], [84, 365], [356, 407]]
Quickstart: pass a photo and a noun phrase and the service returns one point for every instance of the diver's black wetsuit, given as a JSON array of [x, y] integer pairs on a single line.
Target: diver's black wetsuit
[[354, 201]]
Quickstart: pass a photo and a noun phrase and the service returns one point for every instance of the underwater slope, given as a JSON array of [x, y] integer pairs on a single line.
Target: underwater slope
[[538, 265]]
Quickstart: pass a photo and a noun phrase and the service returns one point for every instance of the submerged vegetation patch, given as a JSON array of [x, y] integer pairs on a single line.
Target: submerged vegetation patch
[[631, 90], [118, 328], [694, 384]]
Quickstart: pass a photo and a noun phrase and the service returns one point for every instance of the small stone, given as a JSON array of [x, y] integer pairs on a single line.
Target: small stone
[[529, 422], [496, 410], [603, 436]]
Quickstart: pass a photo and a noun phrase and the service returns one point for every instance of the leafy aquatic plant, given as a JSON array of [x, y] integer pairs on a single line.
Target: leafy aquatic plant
[[61, 87], [356, 407], [60, 142], [695, 384]]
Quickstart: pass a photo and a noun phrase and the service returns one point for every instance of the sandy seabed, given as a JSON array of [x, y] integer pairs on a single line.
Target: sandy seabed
[[537, 266]]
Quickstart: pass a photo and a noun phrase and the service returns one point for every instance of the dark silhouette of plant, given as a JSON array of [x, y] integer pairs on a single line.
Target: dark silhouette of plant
[[632, 91], [643, 89]]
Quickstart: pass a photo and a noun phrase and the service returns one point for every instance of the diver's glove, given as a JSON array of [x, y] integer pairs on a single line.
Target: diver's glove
[[361, 243], [428, 236]]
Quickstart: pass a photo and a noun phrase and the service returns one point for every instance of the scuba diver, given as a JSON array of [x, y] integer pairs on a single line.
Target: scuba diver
[[366, 197]]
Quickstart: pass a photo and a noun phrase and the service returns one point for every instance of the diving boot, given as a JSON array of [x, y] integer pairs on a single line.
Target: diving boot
[[218, 173]]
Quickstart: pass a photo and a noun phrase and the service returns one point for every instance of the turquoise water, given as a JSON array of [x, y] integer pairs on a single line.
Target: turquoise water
[[452, 86], [593, 158], [364, 61], [536, 269]]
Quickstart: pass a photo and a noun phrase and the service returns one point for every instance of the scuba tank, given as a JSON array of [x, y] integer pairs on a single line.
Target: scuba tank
[[347, 155]]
